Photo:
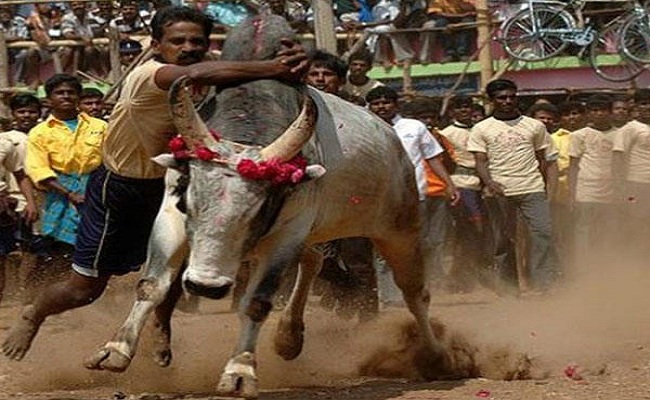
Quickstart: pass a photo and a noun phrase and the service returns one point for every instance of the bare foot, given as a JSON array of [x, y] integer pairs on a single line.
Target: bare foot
[[21, 335]]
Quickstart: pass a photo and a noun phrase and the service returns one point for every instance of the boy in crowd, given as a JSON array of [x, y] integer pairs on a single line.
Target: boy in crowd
[[591, 182], [17, 200], [470, 216], [632, 168], [427, 110], [423, 150], [91, 101], [326, 72], [358, 83], [621, 110]]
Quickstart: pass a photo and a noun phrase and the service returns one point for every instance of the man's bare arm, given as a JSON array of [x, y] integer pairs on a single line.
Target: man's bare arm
[[484, 173], [289, 64]]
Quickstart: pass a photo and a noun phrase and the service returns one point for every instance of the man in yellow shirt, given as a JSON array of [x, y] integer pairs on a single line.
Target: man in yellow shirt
[[125, 193], [61, 153]]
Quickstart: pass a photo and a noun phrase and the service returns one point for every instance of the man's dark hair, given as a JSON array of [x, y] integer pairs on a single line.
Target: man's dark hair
[[546, 107], [642, 96], [479, 108], [323, 59], [568, 106], [362, 55], [419, 106], [59, 79], [90, 92], [599, 102], [170, 15], [382, 91], [124, 3], [499, 85], [24, 100], [621, 98], [461, 101]]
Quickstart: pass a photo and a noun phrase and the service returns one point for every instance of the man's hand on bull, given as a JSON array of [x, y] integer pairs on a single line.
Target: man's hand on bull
[[293, 58]]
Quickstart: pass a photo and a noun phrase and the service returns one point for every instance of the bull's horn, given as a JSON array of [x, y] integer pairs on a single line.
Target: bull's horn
[[187, 121], [287, 145]]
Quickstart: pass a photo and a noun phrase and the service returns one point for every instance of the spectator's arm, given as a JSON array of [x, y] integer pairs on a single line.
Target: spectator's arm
[[552, 174], [574, 167], [27, 189], [619, 172], [484, 173]]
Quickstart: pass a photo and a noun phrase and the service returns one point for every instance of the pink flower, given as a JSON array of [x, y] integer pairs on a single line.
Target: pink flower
[[297, 176], [483, 394], [205, 154], [177, 143]]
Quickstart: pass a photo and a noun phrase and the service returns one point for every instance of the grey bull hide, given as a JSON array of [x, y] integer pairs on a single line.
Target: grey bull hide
[[360, 183]]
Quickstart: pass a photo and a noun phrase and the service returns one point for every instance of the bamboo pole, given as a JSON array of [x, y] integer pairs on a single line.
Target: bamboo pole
[[324, 25], [4, 74], [484, 36]]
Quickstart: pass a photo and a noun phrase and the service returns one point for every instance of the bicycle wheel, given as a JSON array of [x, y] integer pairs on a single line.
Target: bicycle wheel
[[606, 60], [536, 35], [635, 38]]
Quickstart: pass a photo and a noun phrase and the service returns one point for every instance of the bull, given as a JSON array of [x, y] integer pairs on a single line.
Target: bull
[[359, 182]]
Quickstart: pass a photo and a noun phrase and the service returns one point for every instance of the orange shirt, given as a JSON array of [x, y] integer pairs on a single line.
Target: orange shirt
[[436, 186]]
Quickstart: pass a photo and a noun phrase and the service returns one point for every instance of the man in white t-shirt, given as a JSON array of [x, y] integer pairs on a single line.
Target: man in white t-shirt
[[591, 182], [509, 149], [632, 168], [421, 148]]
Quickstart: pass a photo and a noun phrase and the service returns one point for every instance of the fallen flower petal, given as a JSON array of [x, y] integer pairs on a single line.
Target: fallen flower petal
[[483, 394]]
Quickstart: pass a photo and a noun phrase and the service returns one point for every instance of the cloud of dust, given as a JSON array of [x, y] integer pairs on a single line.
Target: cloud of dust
[[598, 317]]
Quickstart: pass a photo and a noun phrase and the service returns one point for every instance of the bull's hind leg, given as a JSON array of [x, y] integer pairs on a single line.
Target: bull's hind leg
[[167, 253], [289, 334], [404, 255]]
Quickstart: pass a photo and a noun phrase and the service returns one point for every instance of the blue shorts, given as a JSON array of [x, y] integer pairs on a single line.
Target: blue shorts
[[116, 222]]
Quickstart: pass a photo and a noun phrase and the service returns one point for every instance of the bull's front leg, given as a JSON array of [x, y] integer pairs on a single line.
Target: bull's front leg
[[239, 378], [289, 335], [158, 290]]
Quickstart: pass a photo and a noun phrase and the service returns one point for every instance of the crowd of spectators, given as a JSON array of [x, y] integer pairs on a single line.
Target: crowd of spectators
[[129, 19]]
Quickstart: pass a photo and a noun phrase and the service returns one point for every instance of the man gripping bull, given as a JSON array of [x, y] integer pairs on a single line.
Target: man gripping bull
[[125, 193]]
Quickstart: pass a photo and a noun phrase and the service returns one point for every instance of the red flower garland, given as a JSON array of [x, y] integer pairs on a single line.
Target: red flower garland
[[276, 171]]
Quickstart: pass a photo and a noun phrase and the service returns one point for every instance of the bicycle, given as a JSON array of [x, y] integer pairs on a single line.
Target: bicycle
[[545, 28]]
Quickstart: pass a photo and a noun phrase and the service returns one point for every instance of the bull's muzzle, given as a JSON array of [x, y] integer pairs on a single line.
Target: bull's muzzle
[[213, 288]]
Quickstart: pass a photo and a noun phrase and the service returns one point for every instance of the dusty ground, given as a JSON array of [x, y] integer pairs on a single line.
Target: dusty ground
[[599, 326]]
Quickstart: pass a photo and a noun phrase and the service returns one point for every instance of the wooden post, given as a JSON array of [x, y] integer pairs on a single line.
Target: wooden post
[[324, 25], [114, 55], [484, 29], [4, 74]]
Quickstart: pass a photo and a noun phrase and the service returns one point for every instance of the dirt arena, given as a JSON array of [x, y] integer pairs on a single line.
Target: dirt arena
[[588, 341]]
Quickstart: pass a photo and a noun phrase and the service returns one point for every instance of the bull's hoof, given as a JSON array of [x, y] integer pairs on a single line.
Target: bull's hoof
[[238, 378], [289, 339], [212, 292], [112, 357]]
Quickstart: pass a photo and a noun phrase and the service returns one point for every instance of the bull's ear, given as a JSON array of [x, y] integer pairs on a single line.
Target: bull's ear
[[166, 160], [315, 171]]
